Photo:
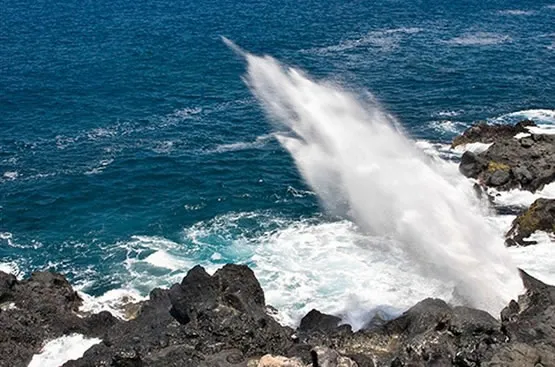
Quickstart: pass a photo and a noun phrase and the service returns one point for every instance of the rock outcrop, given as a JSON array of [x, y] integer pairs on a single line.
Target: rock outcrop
[[526, 163], [37, 309], [220, 321], [540, 216], [482, 132]]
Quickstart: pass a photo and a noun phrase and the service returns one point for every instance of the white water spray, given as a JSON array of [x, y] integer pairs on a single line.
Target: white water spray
[[364, 169]]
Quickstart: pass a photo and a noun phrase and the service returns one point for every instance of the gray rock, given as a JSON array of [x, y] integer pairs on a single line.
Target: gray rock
[[528, 163], [315, 320], [499, 178], [540, 216]]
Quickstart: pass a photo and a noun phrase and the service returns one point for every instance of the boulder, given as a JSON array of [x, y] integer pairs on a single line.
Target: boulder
[[315, 320], [44, 307], [540, 216]]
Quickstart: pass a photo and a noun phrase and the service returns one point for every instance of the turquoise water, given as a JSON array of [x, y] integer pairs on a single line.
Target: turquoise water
[[130, 147]]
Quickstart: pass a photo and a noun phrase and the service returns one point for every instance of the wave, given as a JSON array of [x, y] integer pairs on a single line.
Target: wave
[[258, 143], [448, 126], [10, 175], [384, 39], [58, 351], [11, 268], [544, 118], [479, 39], [100, 167], [516, 12]]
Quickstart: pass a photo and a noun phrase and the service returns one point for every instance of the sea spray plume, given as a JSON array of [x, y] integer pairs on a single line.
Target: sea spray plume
[[363, 168]]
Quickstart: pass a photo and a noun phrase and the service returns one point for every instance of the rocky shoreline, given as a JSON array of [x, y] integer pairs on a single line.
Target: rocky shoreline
[[222, 320]]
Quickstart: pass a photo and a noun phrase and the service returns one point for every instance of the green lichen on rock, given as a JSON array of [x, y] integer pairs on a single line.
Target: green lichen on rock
[[529, 221], [498, 166], [539, 217]]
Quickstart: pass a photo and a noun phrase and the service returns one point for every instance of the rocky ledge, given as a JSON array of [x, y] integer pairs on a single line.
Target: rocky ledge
[[515, 159], [222, 320]]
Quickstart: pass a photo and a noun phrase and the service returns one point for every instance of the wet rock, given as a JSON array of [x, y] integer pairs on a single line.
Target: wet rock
[[527, 163], [44, 309], [7, 282], [472, 165], [315, 320], [499, 178], [530, 327], [482, 132], [540, 216], [227, 326]]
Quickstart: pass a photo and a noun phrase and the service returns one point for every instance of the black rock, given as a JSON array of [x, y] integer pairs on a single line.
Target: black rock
[[527, 163], [472, 165], [485, 133], [315, 320], [7, 282]]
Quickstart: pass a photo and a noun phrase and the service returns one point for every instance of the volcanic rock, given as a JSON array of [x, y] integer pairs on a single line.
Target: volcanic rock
[[540, 216]]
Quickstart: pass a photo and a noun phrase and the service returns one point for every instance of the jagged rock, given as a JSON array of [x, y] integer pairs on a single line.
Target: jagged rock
[[530, 327], [482, 132], [472, 165], [7, 282], [221, 322], [540, 216], [315, 320], [44, 309], [197, 323], [527, 163]]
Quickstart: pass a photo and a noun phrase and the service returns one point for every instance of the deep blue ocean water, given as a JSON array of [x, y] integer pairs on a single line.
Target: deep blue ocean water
[[126, 129]]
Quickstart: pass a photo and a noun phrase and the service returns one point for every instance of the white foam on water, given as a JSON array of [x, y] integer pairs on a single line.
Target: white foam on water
[[537, 259], [10, 175], [150, 262], [258, 143], [522, 135], [336, 269], [363, 168], [101, 166], [66, 348], [479, 39], [162, 259], [448, 113], [448, 126], [516, 12], [540, 116], [473, 147], [314, 263], [11, 268], [113, 301], [437, 150], [542, 129], [521, 198], [386, 40]]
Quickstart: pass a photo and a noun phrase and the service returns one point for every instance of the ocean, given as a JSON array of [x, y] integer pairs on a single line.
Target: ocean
[[133, 147]]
